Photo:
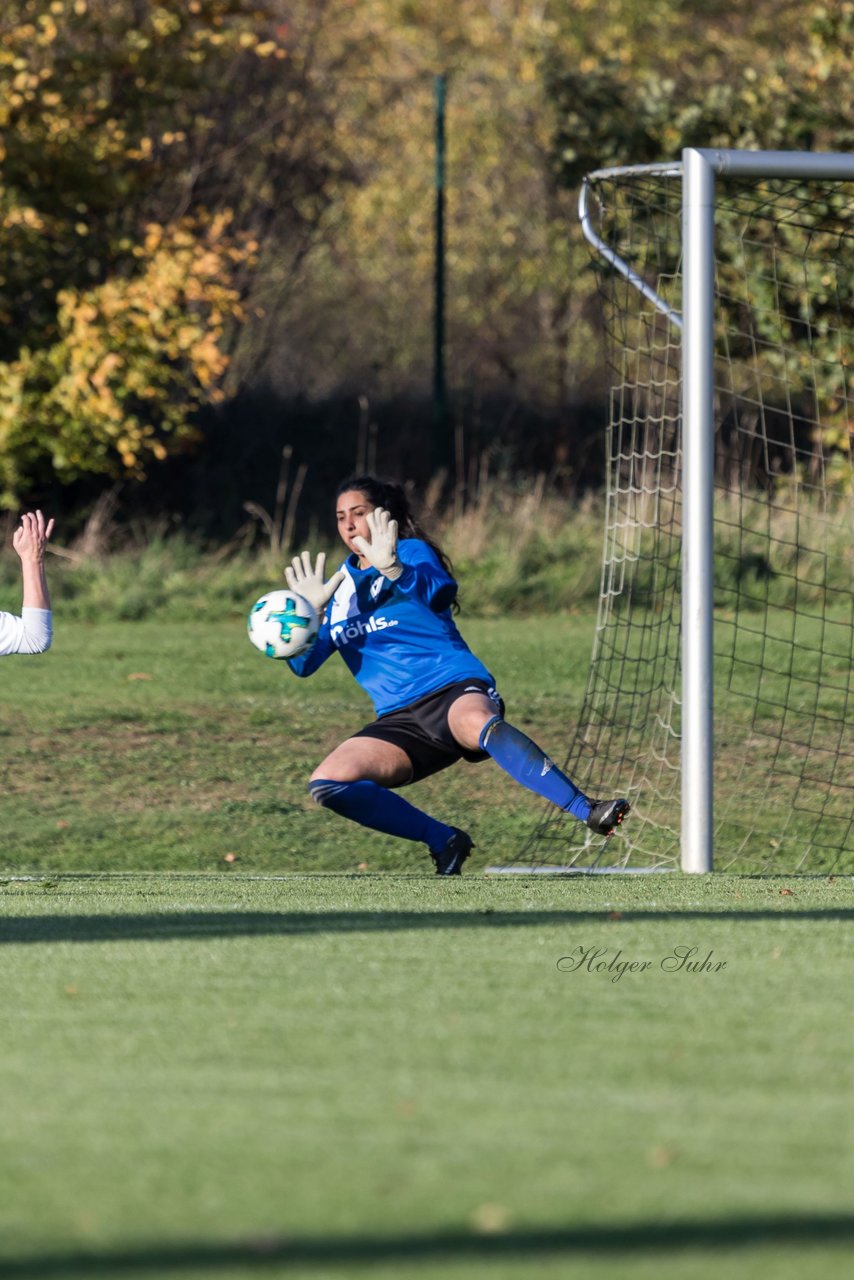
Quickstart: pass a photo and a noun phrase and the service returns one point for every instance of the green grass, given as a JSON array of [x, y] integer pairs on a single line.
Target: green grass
[[166, 745], [163, 745], [215, 1067], [336, 1076]]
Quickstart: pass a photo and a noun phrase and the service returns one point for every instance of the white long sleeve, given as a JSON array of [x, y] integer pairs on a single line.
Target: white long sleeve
[[31, 633]]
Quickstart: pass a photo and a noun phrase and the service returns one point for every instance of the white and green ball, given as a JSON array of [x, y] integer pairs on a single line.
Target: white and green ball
[[282, 624]]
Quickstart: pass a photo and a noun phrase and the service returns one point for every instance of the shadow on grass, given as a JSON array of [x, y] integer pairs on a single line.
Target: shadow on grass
[[448, 1246], [164, 926]]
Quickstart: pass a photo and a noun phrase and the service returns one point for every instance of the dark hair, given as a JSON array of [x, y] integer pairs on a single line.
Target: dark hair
[[392, 495]]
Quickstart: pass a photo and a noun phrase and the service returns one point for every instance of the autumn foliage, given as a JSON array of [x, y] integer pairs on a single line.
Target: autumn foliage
[[198, 197]]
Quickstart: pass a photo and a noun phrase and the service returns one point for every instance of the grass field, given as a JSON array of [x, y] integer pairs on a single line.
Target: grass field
[[231, 1049], [172, 746], [346, 1076]]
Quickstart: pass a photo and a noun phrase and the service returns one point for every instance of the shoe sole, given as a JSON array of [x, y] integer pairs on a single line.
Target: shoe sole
[[453, 868]]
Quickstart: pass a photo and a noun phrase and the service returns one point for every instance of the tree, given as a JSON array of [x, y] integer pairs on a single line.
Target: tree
[[147, 154], [640, 82], [772, 76]]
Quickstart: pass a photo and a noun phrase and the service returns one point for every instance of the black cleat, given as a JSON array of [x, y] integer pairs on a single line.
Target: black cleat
[[606, 815], [449, 860]]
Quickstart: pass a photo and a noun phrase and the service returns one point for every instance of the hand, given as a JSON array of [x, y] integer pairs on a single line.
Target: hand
[[308, 582], [381, 551], [31, 537]]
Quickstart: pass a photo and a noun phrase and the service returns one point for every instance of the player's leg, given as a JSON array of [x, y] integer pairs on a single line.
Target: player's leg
[[473, 721], [355, 780]]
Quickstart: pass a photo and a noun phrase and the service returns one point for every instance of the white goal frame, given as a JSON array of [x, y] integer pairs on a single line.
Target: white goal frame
[[699, 169]]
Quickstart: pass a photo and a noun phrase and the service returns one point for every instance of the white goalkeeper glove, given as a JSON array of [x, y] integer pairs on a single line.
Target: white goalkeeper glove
[[381, 551], [308, 582]]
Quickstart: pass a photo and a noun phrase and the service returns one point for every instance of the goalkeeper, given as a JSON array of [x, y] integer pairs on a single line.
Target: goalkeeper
[[388, 612], [32, 631]]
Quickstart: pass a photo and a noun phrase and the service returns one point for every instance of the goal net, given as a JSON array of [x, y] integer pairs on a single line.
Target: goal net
[[782, 526]]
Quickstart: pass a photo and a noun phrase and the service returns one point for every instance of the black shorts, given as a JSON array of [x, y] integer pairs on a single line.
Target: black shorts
[[422, 729]]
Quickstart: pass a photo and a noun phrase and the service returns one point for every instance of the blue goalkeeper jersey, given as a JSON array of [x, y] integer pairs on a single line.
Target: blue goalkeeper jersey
[[398, 638]]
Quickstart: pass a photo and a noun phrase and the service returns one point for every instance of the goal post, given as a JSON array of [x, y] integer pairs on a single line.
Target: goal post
[[699, 170], [720, 697], [698, 460]]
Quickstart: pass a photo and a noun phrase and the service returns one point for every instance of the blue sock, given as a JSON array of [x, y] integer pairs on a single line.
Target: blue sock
[[524, 761], [374, 806]]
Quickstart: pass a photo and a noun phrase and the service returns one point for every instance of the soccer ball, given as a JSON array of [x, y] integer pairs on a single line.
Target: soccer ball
[[282, 624]]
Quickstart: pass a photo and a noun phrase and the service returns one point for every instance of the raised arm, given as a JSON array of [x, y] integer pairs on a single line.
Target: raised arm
[[30, 540]]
